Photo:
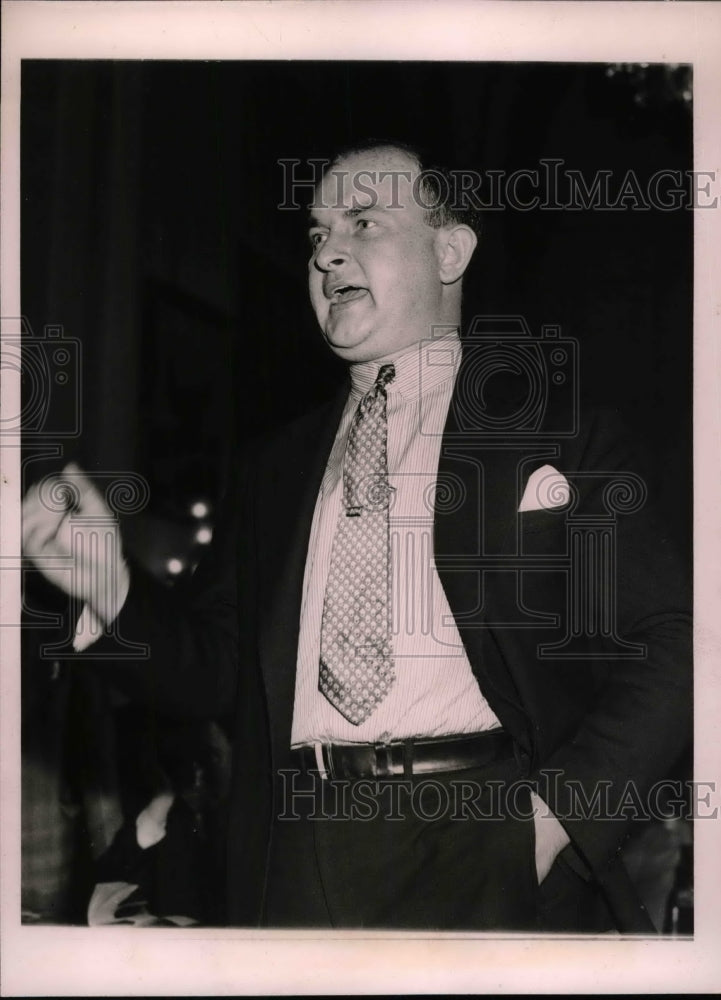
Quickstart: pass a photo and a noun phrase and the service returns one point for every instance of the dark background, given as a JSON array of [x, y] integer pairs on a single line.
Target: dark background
[[151, 235]]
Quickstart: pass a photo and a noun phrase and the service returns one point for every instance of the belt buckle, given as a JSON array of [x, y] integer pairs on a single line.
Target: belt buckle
[[382, 757]]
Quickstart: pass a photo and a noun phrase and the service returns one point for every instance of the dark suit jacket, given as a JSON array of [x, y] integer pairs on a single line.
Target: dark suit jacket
[[589, 716]]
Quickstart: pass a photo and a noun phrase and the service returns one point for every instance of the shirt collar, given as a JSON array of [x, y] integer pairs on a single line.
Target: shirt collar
[[419, 368]]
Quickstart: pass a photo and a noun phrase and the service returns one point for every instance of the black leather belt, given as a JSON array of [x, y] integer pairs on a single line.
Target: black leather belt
[[404, 758]]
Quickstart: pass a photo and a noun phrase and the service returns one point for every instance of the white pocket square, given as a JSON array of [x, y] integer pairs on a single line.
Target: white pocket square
[[545, 489]]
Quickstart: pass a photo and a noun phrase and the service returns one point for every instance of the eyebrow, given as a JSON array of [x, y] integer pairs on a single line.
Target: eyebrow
[[349, 213]]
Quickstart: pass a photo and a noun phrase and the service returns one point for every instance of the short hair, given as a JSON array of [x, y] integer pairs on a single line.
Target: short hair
[[442, 206]]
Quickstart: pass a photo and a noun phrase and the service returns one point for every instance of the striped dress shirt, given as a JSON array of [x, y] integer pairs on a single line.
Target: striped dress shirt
[[435, 692]]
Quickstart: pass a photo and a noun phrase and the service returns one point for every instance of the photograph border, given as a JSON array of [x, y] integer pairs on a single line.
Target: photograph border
[[119, 961]]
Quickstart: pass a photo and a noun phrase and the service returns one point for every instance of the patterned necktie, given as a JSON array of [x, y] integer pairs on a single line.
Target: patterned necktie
[[356, 659]]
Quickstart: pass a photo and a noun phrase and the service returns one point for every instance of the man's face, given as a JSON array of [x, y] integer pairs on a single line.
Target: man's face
[[374, 274]]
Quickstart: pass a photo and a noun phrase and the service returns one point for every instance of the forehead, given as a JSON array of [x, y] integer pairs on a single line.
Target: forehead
[[379, 178]]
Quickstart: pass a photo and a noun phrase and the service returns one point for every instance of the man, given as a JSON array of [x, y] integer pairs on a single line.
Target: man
[[413, 746]]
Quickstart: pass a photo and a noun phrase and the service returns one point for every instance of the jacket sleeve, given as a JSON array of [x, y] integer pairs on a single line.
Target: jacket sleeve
[[179, 650]]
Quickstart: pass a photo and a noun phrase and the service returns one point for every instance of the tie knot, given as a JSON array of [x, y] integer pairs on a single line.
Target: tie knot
[[386, 374]]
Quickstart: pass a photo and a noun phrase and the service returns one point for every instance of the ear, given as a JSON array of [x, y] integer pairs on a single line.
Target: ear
[[455, 249]]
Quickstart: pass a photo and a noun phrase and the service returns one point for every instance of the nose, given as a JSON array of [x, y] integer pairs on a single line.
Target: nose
[[332, 253]]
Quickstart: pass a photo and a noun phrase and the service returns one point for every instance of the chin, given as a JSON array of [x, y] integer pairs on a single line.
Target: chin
[[346, 342], [350, 353]]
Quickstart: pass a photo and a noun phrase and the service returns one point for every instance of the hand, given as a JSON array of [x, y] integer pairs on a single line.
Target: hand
[[551, 838], [151, 823], [73, 539]]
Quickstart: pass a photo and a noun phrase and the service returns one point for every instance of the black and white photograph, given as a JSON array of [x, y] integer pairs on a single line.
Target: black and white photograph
[[353, 442]]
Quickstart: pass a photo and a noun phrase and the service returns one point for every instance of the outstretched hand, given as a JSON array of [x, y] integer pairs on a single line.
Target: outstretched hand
[[73, 539]]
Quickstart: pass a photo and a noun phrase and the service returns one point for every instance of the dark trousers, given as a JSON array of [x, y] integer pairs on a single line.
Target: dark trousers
[[453, 851]]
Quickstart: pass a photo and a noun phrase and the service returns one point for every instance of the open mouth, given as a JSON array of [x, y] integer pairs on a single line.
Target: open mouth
[[347, 293]]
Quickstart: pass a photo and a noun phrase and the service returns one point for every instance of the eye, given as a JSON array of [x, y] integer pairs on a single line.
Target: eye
[[316, 238], [365, 223]]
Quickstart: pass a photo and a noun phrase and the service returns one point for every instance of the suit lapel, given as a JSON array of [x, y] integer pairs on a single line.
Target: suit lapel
[[471, 536], [291, 476]]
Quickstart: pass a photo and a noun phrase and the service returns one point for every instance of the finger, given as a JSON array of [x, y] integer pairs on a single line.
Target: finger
[[46, 556], [39, 523], [54, 563], [45, 540], [90, 501], [29, 509]]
